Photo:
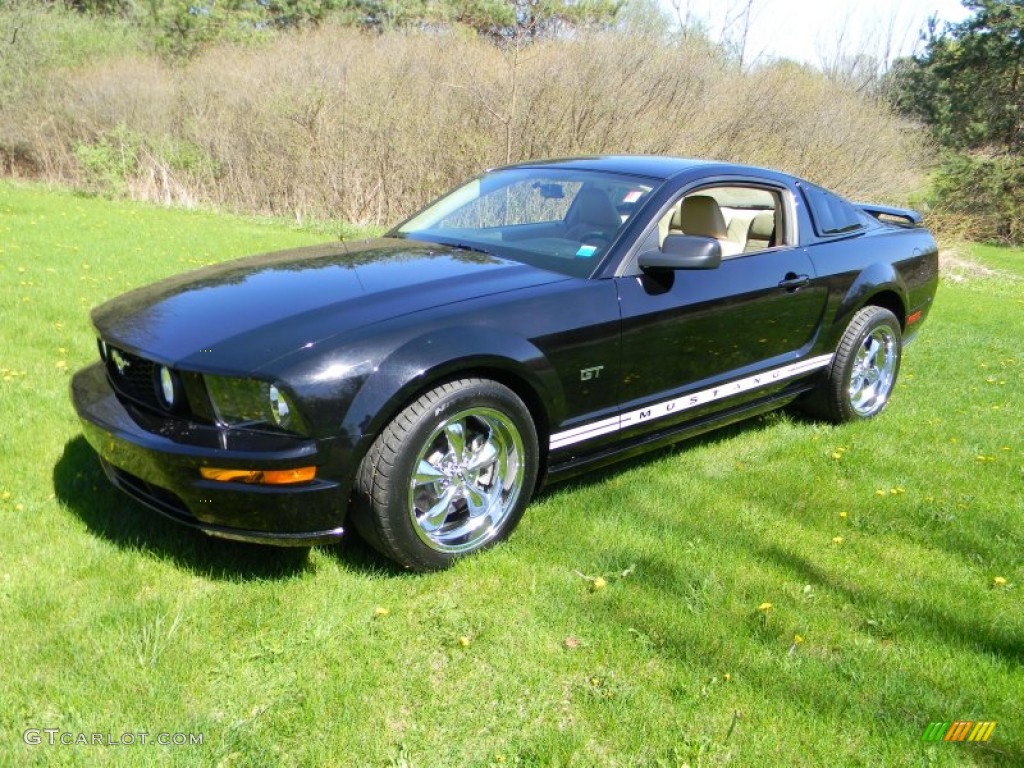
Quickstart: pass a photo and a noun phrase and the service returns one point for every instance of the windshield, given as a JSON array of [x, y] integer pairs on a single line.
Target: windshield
[[560, 220]]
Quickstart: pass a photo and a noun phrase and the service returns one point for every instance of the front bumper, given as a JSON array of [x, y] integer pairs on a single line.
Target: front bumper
[[156, 460]]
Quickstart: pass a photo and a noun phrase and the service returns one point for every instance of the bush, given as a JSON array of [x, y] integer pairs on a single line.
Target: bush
[[339, 124], [109, 162], [980, 196], [38, 43]]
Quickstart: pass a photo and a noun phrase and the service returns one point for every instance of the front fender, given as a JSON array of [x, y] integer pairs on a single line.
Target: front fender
[[417, 365]]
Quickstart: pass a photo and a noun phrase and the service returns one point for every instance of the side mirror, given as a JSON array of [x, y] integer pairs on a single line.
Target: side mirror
[[683, 252]]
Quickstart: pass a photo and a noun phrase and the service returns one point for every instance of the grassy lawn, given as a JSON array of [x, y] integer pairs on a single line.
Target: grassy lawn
[[781, 593]]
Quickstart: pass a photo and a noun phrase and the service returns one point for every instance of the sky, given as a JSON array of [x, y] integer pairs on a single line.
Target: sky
[[815, 32]]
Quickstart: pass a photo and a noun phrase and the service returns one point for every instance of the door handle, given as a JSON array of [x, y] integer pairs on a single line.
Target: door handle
[[794, 282]]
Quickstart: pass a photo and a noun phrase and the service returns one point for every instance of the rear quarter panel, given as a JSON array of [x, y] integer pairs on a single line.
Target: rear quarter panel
[[895, 267]]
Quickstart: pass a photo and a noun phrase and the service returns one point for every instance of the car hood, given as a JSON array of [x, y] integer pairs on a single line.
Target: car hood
[[244, 314]]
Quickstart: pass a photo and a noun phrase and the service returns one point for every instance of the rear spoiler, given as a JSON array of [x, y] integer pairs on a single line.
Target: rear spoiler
[[878, 211]]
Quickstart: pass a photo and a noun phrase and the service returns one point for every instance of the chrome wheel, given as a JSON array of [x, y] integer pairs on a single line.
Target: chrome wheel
[[466, 480], [874, 371]]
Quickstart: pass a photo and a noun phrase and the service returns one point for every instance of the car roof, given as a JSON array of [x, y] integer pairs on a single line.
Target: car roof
[[652, 166]]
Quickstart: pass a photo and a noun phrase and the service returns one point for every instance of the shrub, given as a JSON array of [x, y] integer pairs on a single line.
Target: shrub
[[109, 162], [40, 43], [334, 123], [980, 196]]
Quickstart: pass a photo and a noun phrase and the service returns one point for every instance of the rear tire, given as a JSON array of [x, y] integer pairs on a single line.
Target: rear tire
[[862, 375], [450, 475]]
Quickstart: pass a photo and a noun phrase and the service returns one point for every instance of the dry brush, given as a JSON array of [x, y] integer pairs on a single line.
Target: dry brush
[[338, 124]]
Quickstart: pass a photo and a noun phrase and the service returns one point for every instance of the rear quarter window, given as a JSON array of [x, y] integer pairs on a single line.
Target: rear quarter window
[[832, 215]]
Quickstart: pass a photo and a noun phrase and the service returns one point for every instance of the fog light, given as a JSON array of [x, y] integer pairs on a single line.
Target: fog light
[[168, 391], [260, 476]]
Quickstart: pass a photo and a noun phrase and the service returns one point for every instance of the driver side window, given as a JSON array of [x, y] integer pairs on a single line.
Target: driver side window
[[743, 218]]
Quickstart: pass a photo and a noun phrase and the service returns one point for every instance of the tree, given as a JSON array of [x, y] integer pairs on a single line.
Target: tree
[[968, 85], [968, 88], [645, 18], [497, 19]]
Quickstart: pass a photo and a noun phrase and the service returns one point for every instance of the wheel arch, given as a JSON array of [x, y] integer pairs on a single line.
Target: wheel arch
[[880, 285], [423, 364], [890, 300]]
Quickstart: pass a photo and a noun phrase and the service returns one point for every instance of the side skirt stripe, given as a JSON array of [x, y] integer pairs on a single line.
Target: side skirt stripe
[[679, 404]]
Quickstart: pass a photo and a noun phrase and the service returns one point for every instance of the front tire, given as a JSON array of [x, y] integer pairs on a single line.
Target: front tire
[[862, 375], [451, 474]]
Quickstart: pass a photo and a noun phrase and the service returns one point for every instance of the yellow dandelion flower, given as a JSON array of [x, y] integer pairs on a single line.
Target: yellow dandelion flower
[[999, 581], [727, 677], [842, 515], [380, 611], [797, 639], [837, 540], [765, 607], [464, 641], [598, 583], [881, 492]]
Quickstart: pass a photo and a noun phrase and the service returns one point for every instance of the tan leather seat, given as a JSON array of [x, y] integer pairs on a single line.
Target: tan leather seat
[[761, 234], [700, 215]]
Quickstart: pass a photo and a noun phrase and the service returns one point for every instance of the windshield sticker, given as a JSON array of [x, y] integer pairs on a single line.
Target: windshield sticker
[[586, 251]]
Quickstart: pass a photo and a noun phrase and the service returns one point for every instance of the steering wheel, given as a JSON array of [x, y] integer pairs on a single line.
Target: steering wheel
[[596, 237]]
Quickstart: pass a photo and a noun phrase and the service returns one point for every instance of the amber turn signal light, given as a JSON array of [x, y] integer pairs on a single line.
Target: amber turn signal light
[[260, 476]]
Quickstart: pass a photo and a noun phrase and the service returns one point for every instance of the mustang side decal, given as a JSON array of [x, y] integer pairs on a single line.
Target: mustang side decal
[[692, 400]]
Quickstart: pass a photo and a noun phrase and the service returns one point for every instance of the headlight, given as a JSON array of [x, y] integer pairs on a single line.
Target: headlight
[[237, 402], [280, 411]]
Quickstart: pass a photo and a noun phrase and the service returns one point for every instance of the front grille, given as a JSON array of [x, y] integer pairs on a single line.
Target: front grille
[[133, 377], [136, 379]]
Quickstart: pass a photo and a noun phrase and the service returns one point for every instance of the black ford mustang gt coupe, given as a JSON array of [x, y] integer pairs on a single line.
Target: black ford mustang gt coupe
[[539, 321]]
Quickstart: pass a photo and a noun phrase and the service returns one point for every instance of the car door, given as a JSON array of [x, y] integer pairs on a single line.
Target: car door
[[697, 342]]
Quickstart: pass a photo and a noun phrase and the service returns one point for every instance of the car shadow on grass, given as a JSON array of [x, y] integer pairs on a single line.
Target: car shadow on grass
[[354, 554], [79, 483], [961, 631]]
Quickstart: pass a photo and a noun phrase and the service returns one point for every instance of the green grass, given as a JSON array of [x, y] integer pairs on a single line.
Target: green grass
[[876, 543]]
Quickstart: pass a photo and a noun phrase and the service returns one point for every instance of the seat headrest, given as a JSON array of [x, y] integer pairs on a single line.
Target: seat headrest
[[762, 226], [593, 208], [700, 215]]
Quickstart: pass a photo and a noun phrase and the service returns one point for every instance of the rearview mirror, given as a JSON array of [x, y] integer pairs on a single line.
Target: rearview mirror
[[683, 252], [550, 191]]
